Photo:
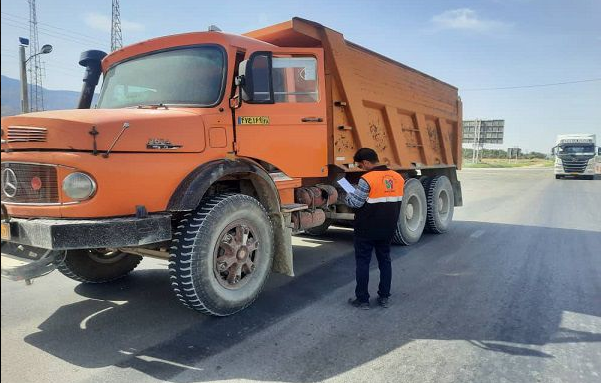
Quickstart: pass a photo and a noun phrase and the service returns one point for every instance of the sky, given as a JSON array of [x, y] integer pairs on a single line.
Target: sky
[[497, 52]]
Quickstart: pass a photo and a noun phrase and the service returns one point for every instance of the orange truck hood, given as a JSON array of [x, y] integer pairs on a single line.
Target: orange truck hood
[[150, 130]]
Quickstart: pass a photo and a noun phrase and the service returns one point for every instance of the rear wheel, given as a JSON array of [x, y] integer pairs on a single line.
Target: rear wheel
[[441, 204], [412, 217], [221, 254], [558, 177], [97, 265], [425, 180]]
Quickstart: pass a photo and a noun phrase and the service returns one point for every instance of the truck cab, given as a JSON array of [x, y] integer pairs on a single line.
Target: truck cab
[[577, 156]]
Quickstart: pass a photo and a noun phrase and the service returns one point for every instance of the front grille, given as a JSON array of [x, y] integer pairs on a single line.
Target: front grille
[[26, 134], [574, 166], [17, 186]]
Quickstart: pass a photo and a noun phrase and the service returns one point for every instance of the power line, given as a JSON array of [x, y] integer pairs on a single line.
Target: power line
[[79, 42], [533, 86], [79, 39], [71, 31]]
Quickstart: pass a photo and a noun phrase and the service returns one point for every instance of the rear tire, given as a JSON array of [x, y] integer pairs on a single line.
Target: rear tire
[[221, 254], [558, 177], [97, 266], [425, 180], [441, 204], [412, 218]]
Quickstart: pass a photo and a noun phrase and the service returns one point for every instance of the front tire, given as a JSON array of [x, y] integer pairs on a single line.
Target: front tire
[[412, 217], [221, 254], [97, 265]]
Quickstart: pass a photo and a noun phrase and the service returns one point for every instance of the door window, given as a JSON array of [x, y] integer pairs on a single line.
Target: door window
[[295, 79]]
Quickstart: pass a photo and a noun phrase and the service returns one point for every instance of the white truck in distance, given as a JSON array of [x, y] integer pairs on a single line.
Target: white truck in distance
[[576, 155]]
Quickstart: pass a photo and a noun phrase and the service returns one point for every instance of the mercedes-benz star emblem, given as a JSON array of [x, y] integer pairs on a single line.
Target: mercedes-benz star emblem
[[9, 183]]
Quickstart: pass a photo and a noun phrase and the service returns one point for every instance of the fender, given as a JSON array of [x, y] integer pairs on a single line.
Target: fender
[[190, 191]]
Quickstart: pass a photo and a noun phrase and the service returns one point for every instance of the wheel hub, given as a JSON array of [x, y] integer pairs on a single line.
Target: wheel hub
[[409, 211], [235, 254], [242, 253]]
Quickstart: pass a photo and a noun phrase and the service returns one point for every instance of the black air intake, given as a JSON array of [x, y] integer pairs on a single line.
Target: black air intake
[[91, 61]]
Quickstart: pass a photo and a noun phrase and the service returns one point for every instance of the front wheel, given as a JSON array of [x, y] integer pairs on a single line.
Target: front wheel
[[221, 254]]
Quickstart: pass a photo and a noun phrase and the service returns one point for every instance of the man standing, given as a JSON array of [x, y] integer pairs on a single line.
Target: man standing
[[377, 203]]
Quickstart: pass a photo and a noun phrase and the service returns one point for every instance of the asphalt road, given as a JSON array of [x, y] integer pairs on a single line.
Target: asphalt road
[[511, 294]]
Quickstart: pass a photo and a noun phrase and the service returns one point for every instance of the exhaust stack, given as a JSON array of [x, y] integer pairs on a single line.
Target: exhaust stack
[[91, 61]]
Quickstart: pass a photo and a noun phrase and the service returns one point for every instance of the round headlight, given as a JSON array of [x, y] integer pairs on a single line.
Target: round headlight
[[79, 186]]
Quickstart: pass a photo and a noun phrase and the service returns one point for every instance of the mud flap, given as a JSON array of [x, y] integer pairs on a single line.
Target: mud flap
[[22, 262], [282, 258]]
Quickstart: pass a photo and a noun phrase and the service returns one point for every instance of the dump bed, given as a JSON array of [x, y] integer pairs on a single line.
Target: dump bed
[[411, 119]]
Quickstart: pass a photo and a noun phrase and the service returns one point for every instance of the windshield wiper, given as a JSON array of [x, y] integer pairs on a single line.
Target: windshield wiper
[[152, 106]]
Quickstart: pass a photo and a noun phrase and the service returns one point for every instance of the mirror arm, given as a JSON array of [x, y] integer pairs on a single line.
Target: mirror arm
[[236, 101]]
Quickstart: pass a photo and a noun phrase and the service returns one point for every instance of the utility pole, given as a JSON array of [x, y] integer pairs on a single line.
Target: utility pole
[[116, 39], [475, 151], [35, 67], [23, 75], [23, 42]]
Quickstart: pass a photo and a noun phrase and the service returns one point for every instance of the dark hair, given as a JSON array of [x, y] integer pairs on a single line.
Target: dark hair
[[366, 154]]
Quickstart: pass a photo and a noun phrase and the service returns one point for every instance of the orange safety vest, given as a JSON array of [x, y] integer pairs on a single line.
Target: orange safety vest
[[377, 218], [384, 186]]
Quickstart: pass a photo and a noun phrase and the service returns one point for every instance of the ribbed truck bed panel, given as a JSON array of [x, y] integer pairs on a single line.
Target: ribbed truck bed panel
[[411, 119]]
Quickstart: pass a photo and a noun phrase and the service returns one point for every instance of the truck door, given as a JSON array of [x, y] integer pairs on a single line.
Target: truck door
[[284, 120]]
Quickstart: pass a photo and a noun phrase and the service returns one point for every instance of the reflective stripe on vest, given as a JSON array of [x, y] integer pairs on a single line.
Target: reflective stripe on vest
[[384, 186]]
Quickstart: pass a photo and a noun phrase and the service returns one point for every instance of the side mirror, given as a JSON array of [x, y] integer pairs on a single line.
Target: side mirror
[[245, 87], [553, 150], [255, 78], [599, 151]]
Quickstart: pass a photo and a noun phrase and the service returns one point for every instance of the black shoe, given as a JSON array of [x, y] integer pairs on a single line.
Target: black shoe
[[383, 302], [358, 304]]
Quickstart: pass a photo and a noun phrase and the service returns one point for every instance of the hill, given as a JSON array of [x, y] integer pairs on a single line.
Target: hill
[[53, 99]]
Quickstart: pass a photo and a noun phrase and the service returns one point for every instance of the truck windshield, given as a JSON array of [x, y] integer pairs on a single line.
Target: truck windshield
[[185, 76], [576, 149]]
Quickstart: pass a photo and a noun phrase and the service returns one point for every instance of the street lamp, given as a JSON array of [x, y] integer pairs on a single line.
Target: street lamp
[[23, 42]]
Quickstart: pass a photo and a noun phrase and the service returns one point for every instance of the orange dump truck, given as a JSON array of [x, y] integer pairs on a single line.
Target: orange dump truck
[[211, 150]]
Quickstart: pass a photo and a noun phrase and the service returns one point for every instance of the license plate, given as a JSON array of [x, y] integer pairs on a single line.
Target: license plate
[[5, 231]]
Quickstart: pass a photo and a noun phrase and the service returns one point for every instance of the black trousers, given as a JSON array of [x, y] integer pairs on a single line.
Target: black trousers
[[363, 250]]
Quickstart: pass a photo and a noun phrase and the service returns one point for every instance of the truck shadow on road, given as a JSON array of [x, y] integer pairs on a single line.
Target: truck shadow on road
[[513, 292]]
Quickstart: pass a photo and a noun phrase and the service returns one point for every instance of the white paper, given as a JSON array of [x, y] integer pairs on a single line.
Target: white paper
[[346, 185]]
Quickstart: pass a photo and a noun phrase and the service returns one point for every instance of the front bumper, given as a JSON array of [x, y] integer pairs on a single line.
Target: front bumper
[[574, 174], [63, 234], [34, 247]]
